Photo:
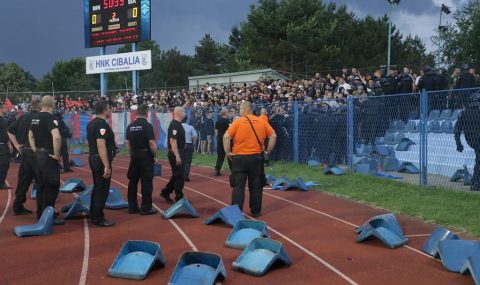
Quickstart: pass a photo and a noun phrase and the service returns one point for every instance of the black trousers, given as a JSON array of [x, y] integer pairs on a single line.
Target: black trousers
[[4, 162], [221, 157], [251, 167], [26, 173], [100, 188], [64, 154], [187, 157], [47, 179], [476, 170], [177, 181], [140, 169]]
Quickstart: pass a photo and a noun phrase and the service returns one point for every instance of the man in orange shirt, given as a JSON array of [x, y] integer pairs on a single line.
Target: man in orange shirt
[[248, 134]]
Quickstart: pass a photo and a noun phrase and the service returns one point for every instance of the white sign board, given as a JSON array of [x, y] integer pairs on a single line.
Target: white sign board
[[120, 62]]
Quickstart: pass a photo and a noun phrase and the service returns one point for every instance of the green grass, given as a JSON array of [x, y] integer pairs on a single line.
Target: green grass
[[458, 210]]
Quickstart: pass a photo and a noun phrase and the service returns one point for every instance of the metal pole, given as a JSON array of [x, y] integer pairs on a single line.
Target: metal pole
[[350, 132], [134, 73], [389, 35], [103, 76], [295, 131], [423, 137]]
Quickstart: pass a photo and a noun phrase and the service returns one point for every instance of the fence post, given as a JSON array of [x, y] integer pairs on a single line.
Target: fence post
[[423, 137], [295, 131], [350, 132]]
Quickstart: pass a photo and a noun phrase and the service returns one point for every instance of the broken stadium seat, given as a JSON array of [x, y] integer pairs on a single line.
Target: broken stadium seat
[[454, 253], [244, 232], [408, 167], [384, 227], [229, 215], [198, 268], [115, 200], [430, 247], [44, 226], [76, 162], [181, 206], [72, 185], [472, 267]]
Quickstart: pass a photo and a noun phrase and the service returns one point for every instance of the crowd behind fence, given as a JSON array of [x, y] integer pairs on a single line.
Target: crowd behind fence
[[408, 137]]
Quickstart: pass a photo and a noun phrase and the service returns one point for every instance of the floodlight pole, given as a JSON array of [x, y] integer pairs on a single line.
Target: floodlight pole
[[103, 76], [390, 8], [135, 75]]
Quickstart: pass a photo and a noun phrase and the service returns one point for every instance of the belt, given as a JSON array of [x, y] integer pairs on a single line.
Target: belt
[[2, 143], [143, 149], [188, 143], [26, 147], [42, 149], [247, 155]]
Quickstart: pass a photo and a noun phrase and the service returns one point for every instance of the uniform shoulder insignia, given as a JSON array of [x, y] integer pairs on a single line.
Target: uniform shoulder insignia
[[174, 132], [55, 122], [102, 131]]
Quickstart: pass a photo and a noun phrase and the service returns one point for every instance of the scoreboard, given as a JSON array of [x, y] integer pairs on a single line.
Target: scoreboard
[[112, 22]]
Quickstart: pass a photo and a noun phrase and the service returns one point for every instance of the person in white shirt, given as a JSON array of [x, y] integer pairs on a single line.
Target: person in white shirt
[[190, 139]]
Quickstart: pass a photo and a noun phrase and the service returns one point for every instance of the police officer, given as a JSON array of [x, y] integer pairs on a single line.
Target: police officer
[[248, 134], [65, 134], [176, 146], [190, 140], [468, 124], [45, 141], [18, 134], [4, 148], [465, 80], [221, 127], [140, 143], [101, 143]]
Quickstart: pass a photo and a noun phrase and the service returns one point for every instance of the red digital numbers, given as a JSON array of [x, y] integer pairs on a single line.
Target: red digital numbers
[[108, 4]]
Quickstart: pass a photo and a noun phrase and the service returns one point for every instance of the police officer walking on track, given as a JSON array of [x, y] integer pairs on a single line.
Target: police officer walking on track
[[190, 139], [468, 124], [248, 134], [18, 134], [176, 146], [44, 139], [140, 143], [4, 148], [101, 143]]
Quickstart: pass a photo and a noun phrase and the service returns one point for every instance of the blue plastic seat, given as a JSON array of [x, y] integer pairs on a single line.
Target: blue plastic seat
[[411, 127], [389, 139], [86, 192], [446, 114], [454, 253], [76, 162], [368, 166], [430, 247], [244, 232], [462, 174], [383, 150], [413, 116], [313, 163], [181, 206], [80, 205], [385, 228], [388, 175], [285, 183], [472, 267], [404, 144], [260, 255], [366, 150], [76, 151], [33, 194], [455, 114], [157, 170], [434, 115], [433, 127], [333, 169], [408, 167], [229, 215], [390, 164], [447, 127], [136, 258], [44, 226], [72, 185], [115, 200], [398, 138], [198, 268]]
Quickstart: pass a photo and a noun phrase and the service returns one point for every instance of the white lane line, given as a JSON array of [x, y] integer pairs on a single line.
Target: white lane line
[[419, 235], [316, 257], [86, 249], [9, 197], [175, 225], [321, 213]]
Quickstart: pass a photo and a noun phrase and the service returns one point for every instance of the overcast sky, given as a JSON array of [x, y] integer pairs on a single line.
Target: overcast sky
[[37, 33]]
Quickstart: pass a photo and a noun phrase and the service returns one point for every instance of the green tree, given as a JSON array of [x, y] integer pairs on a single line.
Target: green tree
[[207, 56], [459, 44], [12, 78], [69, 76]]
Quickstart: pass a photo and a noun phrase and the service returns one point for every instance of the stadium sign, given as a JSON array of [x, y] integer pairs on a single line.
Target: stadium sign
[[121, 62]]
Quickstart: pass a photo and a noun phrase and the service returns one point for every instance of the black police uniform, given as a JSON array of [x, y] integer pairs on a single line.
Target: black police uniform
[[26, 172], [177, 181], [99, 129], [468, 124], [64, 134], [221, 126], [139, 133], [47, 168], [4, 152]]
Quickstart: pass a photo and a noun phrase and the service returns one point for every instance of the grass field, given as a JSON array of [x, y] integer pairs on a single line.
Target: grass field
[[457, 210]]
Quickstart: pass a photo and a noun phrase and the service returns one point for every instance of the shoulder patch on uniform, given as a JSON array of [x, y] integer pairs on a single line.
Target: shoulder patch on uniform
[[174, 132], [103, 131], [55, 122]]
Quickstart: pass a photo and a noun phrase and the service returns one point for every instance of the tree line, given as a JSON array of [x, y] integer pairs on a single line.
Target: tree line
[[296, 37]]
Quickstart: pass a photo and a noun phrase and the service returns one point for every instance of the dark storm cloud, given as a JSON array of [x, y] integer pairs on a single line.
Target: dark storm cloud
[[35, 34]]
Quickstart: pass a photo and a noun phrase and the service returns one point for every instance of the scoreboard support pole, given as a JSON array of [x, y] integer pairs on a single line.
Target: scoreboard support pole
[[135, 74], [103, 76]]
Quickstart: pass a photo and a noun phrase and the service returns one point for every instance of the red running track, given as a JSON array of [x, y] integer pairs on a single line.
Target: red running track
[[316, 229]]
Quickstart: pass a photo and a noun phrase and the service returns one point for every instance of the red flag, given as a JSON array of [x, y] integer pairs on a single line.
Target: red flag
[[8, 104]]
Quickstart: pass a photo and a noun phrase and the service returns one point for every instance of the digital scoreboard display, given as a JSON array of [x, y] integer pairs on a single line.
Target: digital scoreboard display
[[112, 22]]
